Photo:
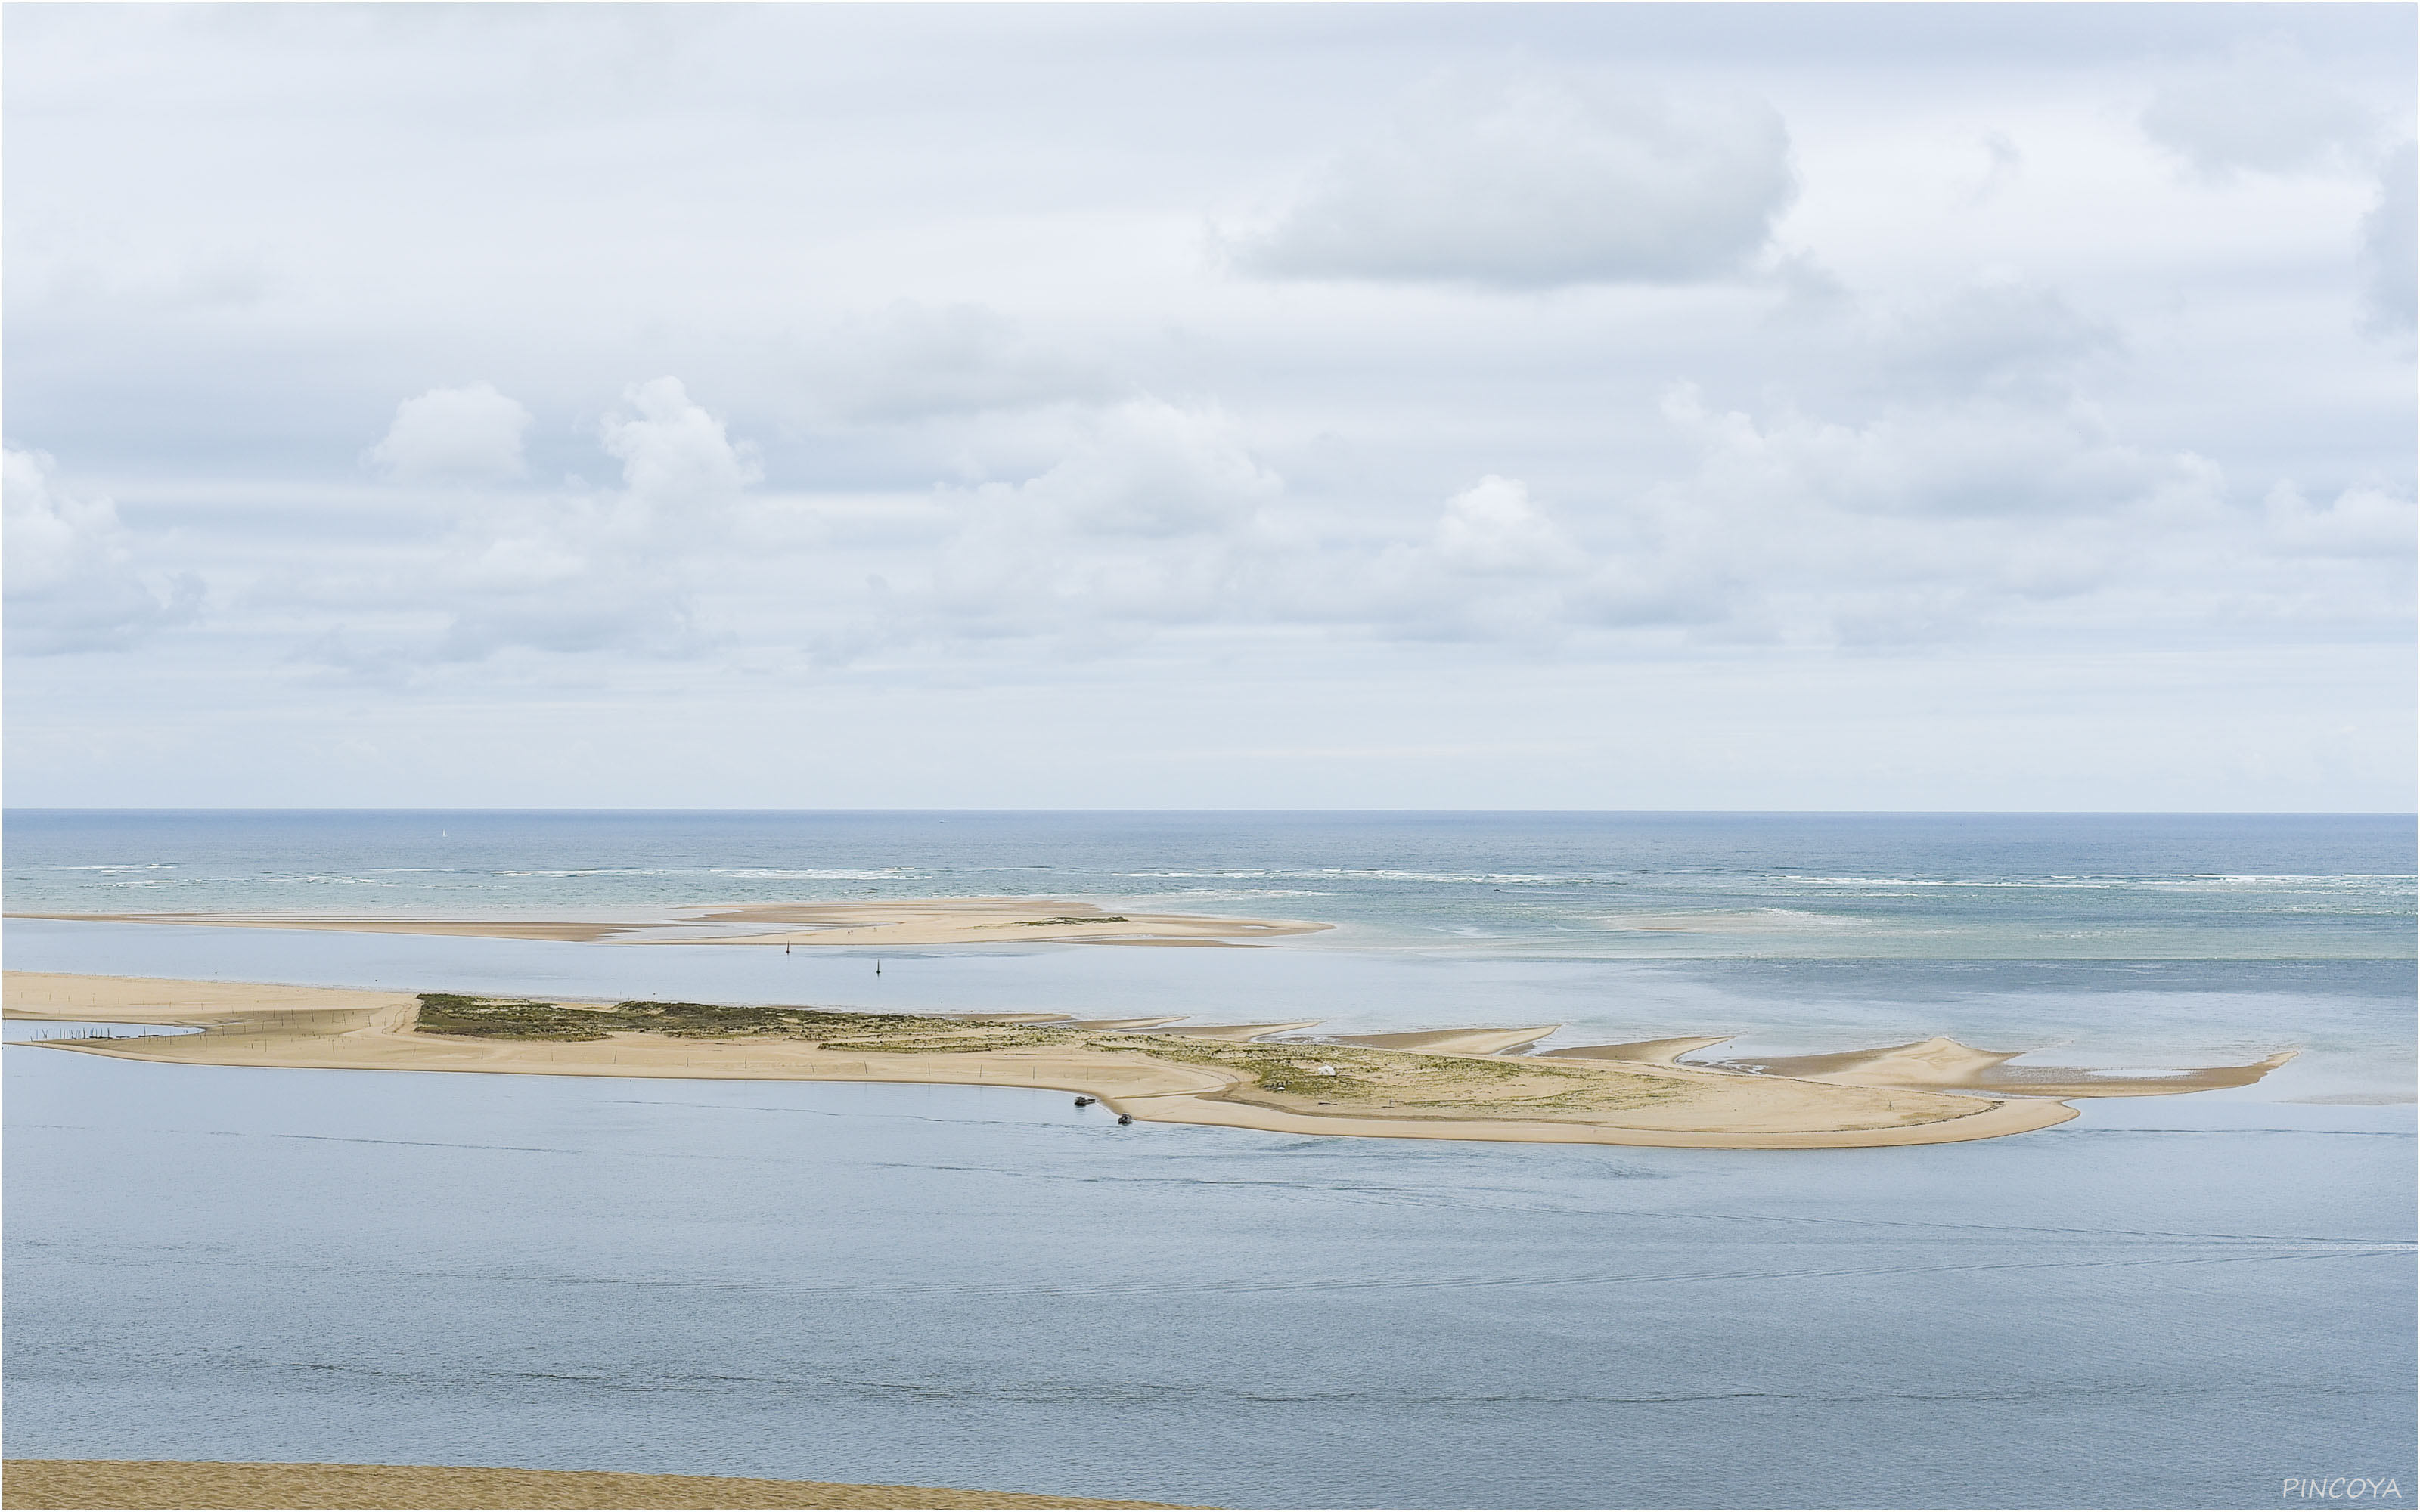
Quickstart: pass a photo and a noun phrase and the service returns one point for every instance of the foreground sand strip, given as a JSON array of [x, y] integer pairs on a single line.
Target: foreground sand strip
[[146, 1483], [1238, 1082]]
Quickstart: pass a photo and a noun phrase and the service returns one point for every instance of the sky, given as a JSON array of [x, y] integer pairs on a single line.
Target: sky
[[1266, 407]]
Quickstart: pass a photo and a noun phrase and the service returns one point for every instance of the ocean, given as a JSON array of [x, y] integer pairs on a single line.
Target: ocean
[[2166, 1301]]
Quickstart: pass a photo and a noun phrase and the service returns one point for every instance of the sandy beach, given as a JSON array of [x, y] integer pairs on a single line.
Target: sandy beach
[[1222, 1075], [140, 1482], [922, 922], [1944, 1065]]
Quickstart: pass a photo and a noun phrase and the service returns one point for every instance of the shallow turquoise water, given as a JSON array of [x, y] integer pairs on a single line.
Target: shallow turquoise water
[[1945, 887]]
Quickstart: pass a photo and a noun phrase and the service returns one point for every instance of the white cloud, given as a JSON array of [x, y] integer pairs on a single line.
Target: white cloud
[[1147, 468], [2389, 274], [71, 582], [571, 575], [1155, 513], [614, 570], [2004, 166], [2365, 520], [915, 361], [1936, 520], [524, 563], [644, 619], [571, 572], [1978, 457], [1533, 182], [2267, 108], [2013, 339], [1494, 529], [1496, 565], [469, 434], [1160, 516], [673, 454], [1927, 524], [2270, 110]]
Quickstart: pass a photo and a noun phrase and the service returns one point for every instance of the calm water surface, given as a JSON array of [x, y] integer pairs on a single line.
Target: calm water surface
[[2170, 1301]]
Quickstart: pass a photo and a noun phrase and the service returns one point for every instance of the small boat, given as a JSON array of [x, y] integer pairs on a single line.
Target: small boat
[[1083, 1101], [1125, 1118]]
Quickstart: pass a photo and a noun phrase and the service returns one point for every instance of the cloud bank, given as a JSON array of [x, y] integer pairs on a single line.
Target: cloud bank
[[2265, 109], [72, 585], [1536, 181], [1692, 404], [2390, 271]]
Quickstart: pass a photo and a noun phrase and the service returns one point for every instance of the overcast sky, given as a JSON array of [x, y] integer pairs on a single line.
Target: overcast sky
[[1607, 407]]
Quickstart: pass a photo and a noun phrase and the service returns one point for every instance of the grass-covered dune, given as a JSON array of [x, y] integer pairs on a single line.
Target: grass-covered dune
[[1327, 1075]]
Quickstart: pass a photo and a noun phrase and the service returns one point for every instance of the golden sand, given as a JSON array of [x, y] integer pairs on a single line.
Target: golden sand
[[142, 1483], [1944, 1065], [1173, 1076]]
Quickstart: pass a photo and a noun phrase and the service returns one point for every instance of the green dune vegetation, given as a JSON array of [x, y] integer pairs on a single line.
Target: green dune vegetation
[[1332, 1075], [522, 1018]]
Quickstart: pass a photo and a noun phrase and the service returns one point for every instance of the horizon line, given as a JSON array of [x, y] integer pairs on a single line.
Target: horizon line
[[500, 808]]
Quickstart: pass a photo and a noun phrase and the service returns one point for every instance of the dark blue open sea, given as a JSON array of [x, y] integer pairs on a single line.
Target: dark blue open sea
[[2164, 1302]]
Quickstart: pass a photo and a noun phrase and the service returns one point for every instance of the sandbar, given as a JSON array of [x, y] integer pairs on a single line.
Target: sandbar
[[1646, 1052], [1452, 1041], [1944, 1065], [1244, 1033], [1239, 1081], [920, 922]]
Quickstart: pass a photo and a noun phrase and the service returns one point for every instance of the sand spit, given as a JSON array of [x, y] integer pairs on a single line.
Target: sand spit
[[923, 922], [1944, 1065], [977, 922], [137, 1483], [1645, 1052], [1235, 1082], [575, 932], [1452, 1041], [1243, 1033], [1445, 1085]]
